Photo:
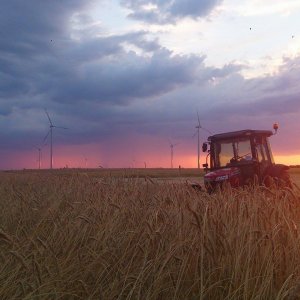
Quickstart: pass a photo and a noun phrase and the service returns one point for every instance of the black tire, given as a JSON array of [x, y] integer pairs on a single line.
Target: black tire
[[284, 180]]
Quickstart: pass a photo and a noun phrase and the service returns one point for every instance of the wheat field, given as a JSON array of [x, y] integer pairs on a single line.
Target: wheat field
[[73, 235]]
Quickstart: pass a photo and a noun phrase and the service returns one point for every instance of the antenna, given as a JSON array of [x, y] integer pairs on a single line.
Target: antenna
[[172, 152], [198, 127], [51, 126]]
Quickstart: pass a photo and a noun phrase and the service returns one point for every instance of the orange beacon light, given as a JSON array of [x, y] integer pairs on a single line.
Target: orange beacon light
[[275, 127]]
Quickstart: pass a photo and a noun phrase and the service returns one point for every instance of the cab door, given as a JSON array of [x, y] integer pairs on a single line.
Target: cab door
[[263, 155]]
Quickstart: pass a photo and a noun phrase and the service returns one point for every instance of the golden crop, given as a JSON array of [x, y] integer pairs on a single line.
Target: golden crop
[[76, 236]]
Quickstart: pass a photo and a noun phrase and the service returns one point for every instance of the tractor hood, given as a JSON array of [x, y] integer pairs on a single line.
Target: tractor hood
[[221, 175]]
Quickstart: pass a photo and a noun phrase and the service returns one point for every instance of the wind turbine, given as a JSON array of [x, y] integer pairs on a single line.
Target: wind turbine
[[172, 152], [51, 137], [198, 127]]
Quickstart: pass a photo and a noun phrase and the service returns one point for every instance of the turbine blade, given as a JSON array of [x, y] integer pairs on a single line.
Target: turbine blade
[[60, 127], [198, 119], [48, 117], [45, 138], [206, 130], [195, 134]]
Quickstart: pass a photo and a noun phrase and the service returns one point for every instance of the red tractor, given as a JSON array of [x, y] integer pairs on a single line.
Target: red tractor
[[243, 157]]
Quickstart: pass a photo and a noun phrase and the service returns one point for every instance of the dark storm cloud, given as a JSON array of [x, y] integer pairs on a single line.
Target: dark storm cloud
[[276, 94], [80, 80], [28, 27], [94, 69], [228, 103], [99, 71], [28, 30], [169, 11], [38, 56], [127, 77]]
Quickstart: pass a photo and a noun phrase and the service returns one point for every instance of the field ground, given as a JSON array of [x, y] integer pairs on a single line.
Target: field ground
[[101, 234], [159, 175]]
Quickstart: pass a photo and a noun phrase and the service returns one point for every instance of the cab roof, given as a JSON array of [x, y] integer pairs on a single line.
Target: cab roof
[[239, 134]]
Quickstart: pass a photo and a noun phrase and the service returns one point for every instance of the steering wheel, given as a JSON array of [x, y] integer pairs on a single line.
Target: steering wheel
[[239, 157], [235, 159]]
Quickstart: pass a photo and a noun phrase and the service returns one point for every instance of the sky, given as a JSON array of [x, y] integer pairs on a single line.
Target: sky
[[127, 77]]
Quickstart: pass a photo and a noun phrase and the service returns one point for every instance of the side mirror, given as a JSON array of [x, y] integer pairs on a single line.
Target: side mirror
[[205, 166], [204, 147]]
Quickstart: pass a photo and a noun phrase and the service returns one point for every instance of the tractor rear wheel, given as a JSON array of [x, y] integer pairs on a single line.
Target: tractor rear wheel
[[284, 180]]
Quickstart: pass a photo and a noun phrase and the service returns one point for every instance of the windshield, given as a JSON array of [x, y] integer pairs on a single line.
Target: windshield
[[231, 152]]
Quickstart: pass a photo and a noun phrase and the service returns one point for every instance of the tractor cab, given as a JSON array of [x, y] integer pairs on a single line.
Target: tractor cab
[[241, 157]]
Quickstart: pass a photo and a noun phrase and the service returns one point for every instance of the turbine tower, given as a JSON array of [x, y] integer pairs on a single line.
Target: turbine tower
[[51, 126], [198, 127], [172, 152], [40, 156]]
